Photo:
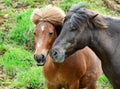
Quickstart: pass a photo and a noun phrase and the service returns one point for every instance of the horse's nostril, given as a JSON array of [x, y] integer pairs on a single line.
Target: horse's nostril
[[37, 58], [42, 56], [54, 52]]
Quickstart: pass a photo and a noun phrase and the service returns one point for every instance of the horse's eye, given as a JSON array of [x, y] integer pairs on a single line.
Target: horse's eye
[[34, 33], [51, 33], [73, 29]]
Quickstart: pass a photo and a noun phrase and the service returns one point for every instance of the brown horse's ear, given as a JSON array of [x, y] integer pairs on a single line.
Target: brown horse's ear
[[36, 16], [36, 22]]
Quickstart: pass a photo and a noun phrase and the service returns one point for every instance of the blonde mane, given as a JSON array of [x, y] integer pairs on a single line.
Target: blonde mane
[[48, 13]]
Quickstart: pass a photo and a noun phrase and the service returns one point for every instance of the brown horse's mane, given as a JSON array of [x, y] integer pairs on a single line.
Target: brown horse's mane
[[48, 13], [78, 15]]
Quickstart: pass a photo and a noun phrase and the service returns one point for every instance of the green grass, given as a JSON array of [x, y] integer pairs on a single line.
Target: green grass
[[1, 37], [22, 32], [19, 65], [103, 83], [92, 4], [9, 3], [18, 62], [26, 2], [33, 78]]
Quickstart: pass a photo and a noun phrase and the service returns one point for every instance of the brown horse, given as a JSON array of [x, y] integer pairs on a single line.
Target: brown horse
[[81, 70]]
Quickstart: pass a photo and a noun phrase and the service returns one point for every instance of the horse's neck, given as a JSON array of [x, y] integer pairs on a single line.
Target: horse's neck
[[115, 19], [106, 45], [107, 40], [51, 64], [102, 44], [113, 24]]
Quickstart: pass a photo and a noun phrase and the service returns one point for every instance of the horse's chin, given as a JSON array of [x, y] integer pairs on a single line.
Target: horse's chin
[[58, 59], [40, 64]]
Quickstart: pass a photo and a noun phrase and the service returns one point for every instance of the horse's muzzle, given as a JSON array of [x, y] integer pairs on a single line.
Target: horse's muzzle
[[57, 56], [40, 59]]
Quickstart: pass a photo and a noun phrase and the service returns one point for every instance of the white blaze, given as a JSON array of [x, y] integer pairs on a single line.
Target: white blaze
[[42, 27], [39, 44]]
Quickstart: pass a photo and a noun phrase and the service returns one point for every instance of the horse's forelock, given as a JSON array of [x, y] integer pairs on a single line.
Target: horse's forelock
[[36, 15], [77, 19], [51, 13]]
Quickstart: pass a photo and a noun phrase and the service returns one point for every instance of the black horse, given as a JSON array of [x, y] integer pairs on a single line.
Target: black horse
[[83, 27]]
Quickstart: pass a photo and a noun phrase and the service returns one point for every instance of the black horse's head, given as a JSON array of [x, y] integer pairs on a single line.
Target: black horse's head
[[76, 32]]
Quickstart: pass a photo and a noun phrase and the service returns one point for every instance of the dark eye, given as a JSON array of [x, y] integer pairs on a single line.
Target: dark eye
[[73, 29], [51, 33], [34, 33]]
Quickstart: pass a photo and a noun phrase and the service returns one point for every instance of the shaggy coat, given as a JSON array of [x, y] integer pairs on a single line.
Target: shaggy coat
[[81, 70]]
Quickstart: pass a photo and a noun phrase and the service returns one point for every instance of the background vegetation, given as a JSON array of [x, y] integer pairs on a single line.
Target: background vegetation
[[17, 66]]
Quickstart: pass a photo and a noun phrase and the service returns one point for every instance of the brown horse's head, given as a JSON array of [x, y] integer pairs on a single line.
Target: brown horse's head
[[48, 21], [45, 35]]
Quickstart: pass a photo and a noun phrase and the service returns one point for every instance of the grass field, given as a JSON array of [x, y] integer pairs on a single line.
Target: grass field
[[17, 66]]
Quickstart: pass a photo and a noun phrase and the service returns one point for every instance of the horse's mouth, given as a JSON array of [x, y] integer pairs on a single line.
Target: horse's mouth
[[40, 64]]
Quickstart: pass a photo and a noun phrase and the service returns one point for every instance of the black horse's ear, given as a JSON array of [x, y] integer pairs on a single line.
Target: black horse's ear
[[98, 21], [58, 29], [94, 16]]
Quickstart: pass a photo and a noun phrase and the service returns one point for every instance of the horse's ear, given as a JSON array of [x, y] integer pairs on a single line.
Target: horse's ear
[[94, 16], [98, 21], [58, 29], [36, 22], [35, 19]]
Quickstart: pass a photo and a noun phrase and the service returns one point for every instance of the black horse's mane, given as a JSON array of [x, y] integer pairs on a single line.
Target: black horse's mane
[[75, 18], [79, 15]]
